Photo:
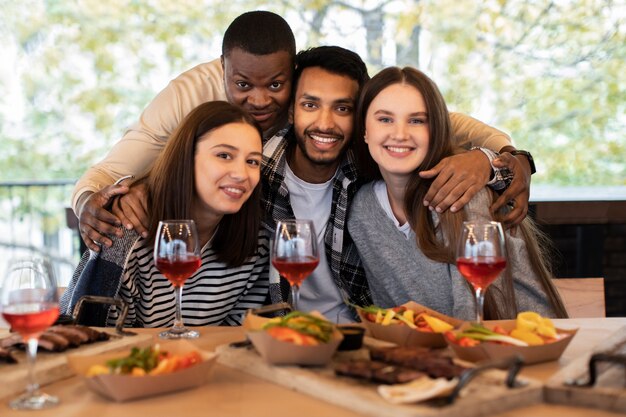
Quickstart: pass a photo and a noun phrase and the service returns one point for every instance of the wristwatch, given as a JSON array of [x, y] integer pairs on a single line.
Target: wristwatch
[[528, 156]]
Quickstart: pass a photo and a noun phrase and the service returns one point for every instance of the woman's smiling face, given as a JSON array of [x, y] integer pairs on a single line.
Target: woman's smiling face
[[227, 167], [396, 130]]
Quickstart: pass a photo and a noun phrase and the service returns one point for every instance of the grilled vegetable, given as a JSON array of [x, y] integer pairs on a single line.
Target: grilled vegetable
[[306, 324], [147, 361], [531, 330], [481, 333], [421, 321]]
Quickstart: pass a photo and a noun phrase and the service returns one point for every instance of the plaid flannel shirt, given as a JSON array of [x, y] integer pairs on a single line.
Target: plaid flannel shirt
[[345, 263]]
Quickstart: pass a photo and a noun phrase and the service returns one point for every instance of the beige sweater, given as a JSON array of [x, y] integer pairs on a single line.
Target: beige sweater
[[143, 141]]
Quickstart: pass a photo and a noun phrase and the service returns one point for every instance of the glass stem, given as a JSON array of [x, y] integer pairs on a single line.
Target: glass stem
[[31, 354], [295, 296], [178, 322], [480, 301]]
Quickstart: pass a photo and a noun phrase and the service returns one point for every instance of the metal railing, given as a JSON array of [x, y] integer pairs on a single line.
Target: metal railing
[[34, 219]]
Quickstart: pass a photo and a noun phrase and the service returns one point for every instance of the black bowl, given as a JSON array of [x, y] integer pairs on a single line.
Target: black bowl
[[352, 337]]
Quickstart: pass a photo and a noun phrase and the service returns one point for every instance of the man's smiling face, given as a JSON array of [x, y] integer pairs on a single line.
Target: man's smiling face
[[261, 84], [323, 118]]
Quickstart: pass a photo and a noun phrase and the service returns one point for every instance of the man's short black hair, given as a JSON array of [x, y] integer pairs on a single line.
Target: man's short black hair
[[259, 33], [333, 59]]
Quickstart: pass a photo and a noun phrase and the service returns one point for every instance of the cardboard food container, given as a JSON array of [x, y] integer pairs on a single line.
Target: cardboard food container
[[277, 352], [256, 318], [530, 354], [125, 387], [253, 322], [403, 335]]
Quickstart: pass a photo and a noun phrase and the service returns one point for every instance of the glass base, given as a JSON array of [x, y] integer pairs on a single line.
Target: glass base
[[34, 401], [179, 333]]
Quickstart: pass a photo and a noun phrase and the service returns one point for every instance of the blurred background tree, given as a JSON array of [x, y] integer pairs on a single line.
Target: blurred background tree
[[74, 74]]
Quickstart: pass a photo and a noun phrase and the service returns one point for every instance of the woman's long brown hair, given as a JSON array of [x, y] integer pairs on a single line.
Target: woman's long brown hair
[[437, 242], [172, 190]]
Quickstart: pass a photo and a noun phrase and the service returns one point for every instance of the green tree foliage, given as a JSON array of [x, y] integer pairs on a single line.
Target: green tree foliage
[[85, 69], [550, 73]]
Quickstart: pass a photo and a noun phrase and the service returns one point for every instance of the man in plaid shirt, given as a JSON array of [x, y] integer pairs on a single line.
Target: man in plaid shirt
[[309, 172]]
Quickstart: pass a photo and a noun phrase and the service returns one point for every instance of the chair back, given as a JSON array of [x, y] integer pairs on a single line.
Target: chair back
[[583, 297]]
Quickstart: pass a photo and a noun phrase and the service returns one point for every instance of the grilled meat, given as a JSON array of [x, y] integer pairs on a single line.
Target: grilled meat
[[421, 359], [398, 365], [53, 342], [13, 340], [74, 336], [56, 339], [363, 368], [392, 374], [379, 372], [93, 334], [6, 355], [80, 333]]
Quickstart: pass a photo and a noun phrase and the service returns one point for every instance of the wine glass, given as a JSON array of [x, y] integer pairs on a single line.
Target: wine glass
[[29, 303], [177, 256], [294, 253], [481, 256]]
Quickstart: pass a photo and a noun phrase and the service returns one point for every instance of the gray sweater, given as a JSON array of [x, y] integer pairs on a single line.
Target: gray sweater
[[397, 270]]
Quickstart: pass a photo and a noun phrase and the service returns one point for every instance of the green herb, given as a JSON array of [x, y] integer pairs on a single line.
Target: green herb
[[479, 332], [368, 309], [305, 323], [146, 359]]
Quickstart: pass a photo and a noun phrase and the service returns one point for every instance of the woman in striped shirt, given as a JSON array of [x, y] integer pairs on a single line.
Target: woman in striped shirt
[[208, 172]]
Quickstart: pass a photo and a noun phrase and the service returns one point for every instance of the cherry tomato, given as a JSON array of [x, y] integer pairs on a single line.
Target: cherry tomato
[[371, 317], [188, 359], [500, 330], [450, 336], [286, 334], [467, 342]]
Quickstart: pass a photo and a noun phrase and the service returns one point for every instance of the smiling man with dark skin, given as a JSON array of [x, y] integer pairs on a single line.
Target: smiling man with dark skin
[[255, 72], [260, 84]]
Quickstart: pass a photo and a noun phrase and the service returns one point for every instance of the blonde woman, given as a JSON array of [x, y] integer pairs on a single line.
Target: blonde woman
[[403, 127]]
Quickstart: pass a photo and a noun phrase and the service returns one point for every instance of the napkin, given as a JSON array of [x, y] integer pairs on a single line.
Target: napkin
[[420, 389]]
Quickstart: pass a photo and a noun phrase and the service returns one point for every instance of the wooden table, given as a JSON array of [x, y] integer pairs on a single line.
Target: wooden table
[[233, 393]]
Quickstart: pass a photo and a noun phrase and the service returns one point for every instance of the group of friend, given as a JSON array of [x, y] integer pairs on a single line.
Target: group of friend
[[263, 134]]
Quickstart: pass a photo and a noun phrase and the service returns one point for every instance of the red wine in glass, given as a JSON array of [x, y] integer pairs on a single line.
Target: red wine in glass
[[32, 319], [177, 256], [481, 271], [295, 269], [481, 256], [29, 303], [294, 253], [177, 271]]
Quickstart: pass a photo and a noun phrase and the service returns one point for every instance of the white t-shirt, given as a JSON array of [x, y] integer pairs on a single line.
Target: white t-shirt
[[380, 189], [319, 291]]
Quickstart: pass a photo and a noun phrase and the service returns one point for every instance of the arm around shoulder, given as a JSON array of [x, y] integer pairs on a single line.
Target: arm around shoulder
[[467, 132], [141, 144]]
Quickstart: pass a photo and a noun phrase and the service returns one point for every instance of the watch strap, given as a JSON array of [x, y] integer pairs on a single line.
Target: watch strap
[[528, 156]]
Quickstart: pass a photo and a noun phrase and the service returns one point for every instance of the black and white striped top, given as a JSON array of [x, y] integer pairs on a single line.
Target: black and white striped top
[[214, 295]]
